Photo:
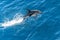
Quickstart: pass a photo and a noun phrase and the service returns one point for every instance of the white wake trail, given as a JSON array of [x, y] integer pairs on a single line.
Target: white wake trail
[[14, 21]]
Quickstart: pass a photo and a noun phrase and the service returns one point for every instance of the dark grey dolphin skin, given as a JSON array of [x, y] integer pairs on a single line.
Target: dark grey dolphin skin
[[32, 13]]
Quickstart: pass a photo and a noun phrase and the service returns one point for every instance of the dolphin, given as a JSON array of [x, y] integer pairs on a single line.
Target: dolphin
[[32, 13]]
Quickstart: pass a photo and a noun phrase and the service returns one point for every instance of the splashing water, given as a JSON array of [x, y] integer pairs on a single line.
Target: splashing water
[[12, 22], [18, 19]]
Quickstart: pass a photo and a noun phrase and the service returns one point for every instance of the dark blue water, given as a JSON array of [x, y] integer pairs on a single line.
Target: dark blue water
[[45, 27]]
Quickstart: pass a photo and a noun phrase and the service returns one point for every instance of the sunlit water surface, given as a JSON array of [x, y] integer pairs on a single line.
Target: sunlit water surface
[[45, 26]]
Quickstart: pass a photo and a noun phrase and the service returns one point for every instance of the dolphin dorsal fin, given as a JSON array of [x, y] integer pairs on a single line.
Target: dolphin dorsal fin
[[28, 10]]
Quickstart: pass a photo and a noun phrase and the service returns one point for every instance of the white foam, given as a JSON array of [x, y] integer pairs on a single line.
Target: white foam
[[17, 19], [12, 22]]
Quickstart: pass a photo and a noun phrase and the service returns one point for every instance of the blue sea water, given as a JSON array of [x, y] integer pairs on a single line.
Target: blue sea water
[[45, 27]]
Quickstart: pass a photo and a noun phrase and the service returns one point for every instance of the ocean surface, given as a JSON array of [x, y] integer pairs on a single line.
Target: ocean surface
[[45, 26]]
